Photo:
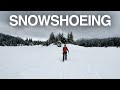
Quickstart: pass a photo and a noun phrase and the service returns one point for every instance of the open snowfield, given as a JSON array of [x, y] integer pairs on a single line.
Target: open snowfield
[[46, 63]]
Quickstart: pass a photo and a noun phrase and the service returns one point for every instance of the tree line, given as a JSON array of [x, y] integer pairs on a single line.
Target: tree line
[[7, 40], [53, 39], [106, 42]]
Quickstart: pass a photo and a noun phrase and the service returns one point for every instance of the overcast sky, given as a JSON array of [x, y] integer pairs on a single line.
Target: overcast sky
[[42, 33]]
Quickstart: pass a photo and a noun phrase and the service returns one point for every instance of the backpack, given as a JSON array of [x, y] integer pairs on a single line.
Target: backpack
[[65, 49]]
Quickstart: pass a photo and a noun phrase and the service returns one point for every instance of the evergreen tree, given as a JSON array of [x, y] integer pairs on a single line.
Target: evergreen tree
[[52, 38], [59, 37], [71, 37], [68, 38]]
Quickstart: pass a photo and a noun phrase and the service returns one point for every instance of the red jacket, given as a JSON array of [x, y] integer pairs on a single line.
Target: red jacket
[[65, 49]]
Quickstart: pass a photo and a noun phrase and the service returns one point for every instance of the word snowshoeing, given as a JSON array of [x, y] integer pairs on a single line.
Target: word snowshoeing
[[60, 20]]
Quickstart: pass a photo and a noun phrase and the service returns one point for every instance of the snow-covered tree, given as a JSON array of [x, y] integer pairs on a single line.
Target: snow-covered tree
[[70, 37], [52, 38]]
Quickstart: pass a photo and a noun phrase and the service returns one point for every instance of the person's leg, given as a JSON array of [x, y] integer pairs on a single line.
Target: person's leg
[[66, 56], [63, 56]]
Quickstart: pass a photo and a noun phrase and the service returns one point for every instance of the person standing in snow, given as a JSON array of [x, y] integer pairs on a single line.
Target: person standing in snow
[[65, 50]]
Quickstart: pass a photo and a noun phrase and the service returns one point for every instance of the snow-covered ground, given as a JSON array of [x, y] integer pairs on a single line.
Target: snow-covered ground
[[46, 62]]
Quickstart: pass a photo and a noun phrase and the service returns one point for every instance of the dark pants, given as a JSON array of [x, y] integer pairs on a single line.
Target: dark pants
[[64, 56]]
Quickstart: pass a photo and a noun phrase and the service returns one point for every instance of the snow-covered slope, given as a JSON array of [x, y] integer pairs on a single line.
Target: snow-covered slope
[[46, 62]]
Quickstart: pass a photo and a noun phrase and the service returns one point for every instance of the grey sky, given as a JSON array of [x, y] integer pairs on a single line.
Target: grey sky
[[43, 32]]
